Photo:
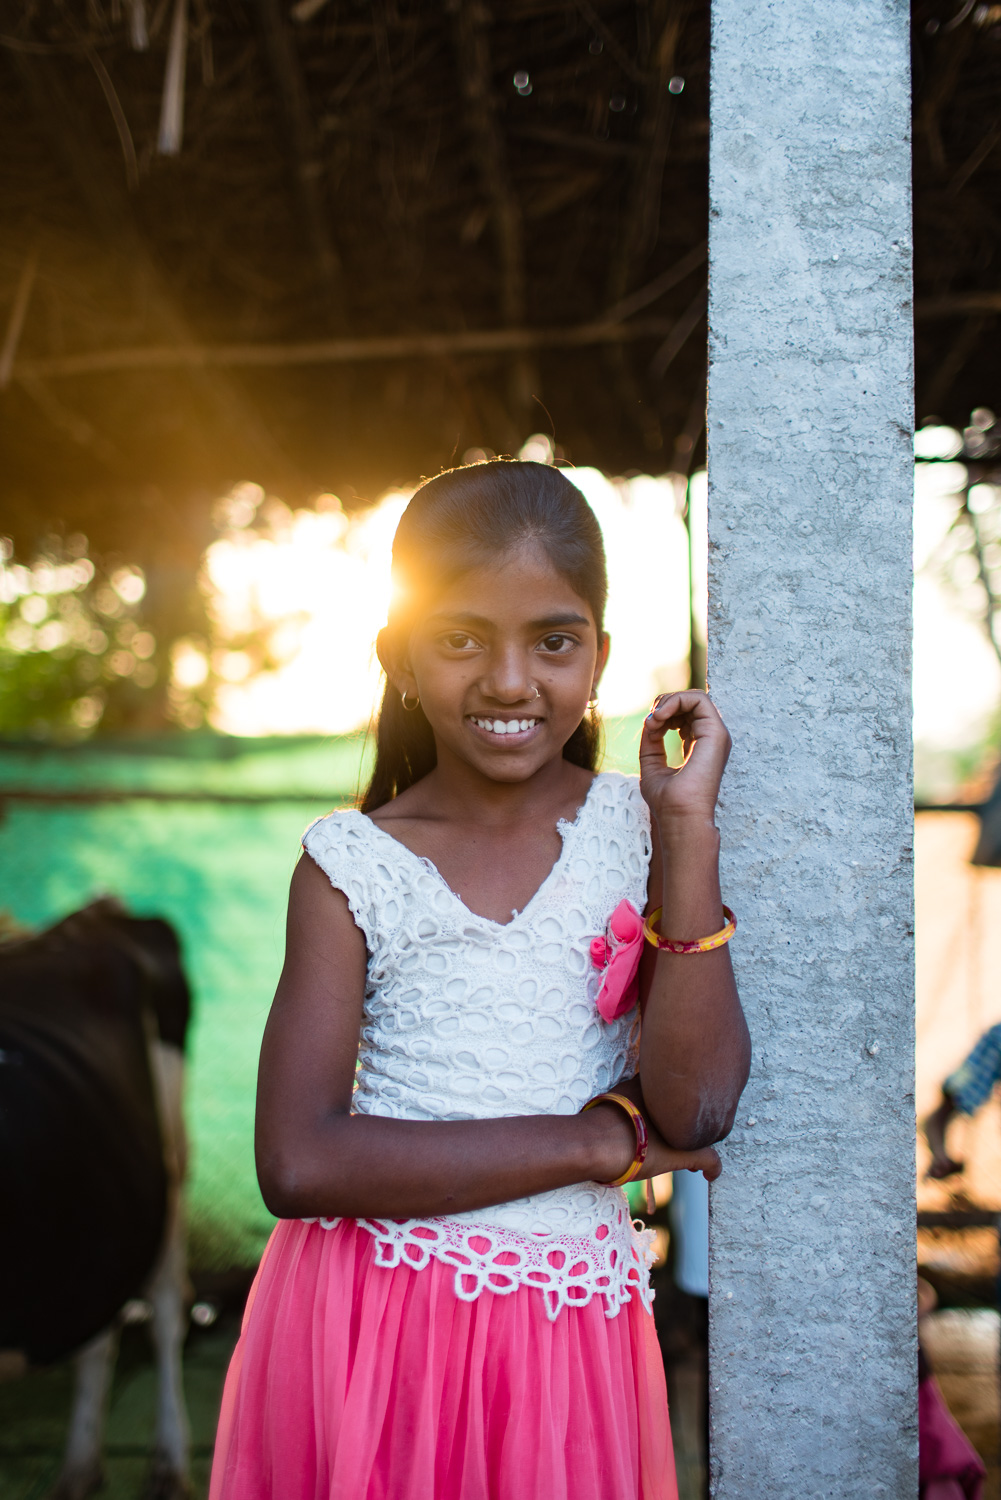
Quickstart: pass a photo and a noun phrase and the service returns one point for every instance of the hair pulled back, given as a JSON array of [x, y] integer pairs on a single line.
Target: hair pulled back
[[463, 519]]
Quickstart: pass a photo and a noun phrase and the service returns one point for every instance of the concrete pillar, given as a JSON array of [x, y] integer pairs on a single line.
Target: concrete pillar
[[812, 1352]]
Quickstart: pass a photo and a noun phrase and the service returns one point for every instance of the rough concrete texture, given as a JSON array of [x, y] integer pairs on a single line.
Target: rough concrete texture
[[813, 1357]]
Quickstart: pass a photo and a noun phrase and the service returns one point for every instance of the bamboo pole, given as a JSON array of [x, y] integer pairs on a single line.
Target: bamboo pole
[[662, 284], [680, 333], [171, 131], [342, 351], [138, 30], [958, 305], [15, 323]]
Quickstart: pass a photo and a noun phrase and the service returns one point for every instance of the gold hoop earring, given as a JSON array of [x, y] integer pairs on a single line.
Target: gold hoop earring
[[592, 702], [409, 707]]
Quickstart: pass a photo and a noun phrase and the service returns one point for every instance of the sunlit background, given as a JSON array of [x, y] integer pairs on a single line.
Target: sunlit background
[[313, 587], [957, 561], [293, 600]]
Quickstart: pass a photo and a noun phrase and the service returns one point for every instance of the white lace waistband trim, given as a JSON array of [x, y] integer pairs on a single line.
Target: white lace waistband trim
[[567, 1269]]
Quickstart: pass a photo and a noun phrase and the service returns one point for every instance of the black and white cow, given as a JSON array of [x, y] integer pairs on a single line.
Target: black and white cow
[[93, 1017]]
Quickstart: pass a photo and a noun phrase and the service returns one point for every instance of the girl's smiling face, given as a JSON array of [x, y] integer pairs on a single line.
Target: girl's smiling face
[[504, 664]]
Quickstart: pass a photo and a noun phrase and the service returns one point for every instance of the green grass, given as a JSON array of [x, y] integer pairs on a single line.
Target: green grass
[[34, 1413]]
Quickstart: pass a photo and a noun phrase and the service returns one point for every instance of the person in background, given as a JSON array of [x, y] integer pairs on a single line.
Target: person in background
[[689, 1215], [963, 1092], [949, 1467]]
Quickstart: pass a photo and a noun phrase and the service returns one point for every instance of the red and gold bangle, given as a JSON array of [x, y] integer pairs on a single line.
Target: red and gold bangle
[[697, 945], [639, 1125]]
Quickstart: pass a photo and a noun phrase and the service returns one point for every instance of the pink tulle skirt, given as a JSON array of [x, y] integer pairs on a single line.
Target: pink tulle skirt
[[356, 1382]]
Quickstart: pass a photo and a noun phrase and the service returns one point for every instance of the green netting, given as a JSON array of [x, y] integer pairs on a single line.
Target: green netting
[[316, 766], [220, 873]]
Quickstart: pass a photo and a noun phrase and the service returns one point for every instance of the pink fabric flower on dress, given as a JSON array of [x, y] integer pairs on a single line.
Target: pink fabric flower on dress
[[618, 953]]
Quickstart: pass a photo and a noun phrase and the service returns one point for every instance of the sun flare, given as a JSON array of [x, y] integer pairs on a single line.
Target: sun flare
[[316, 584]]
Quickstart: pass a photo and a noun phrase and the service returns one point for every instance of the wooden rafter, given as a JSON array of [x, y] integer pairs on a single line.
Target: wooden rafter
[[344, 351], [381, 158]]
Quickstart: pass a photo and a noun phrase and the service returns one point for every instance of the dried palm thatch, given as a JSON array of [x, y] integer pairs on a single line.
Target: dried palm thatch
[[363, 238], [337, 244]]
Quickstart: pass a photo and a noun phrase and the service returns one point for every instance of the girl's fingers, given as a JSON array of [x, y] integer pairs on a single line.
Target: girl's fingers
[[697, 721], [663, 1158], [712, 1167], [705, 1160], [653, 751], [690, 712]]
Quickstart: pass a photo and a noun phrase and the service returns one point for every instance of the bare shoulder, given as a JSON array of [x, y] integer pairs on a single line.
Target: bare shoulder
[[310, 883], [319, 913], [310, 1041]]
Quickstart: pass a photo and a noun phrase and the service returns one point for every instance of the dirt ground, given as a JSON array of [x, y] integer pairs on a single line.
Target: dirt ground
[[34, 1413]]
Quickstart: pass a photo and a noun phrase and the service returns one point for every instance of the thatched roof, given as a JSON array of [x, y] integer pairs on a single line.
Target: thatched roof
[[385, 232]]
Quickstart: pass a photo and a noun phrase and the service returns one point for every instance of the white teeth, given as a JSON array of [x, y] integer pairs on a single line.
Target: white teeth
[[505, 726]]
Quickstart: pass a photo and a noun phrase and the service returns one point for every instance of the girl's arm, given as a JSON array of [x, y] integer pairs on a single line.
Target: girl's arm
[[695, 1052], [314, 1158]]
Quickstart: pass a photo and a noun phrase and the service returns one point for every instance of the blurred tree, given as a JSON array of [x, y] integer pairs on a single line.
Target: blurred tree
[[970, 553], [75, 652]]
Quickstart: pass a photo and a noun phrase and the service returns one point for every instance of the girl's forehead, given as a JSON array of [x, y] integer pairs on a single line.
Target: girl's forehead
[[520, 583]]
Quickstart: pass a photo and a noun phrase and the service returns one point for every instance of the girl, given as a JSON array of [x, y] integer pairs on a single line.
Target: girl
[[455, 1305]]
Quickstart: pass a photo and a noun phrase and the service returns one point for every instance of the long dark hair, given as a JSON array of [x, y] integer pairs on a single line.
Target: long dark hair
[[460, 520]]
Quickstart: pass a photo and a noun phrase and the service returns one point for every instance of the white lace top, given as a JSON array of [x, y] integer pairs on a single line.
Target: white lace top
[[466, 1018]]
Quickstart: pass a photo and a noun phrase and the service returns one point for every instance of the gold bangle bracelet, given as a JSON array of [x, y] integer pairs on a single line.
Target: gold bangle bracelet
[[643, 1142], [697, 945]]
